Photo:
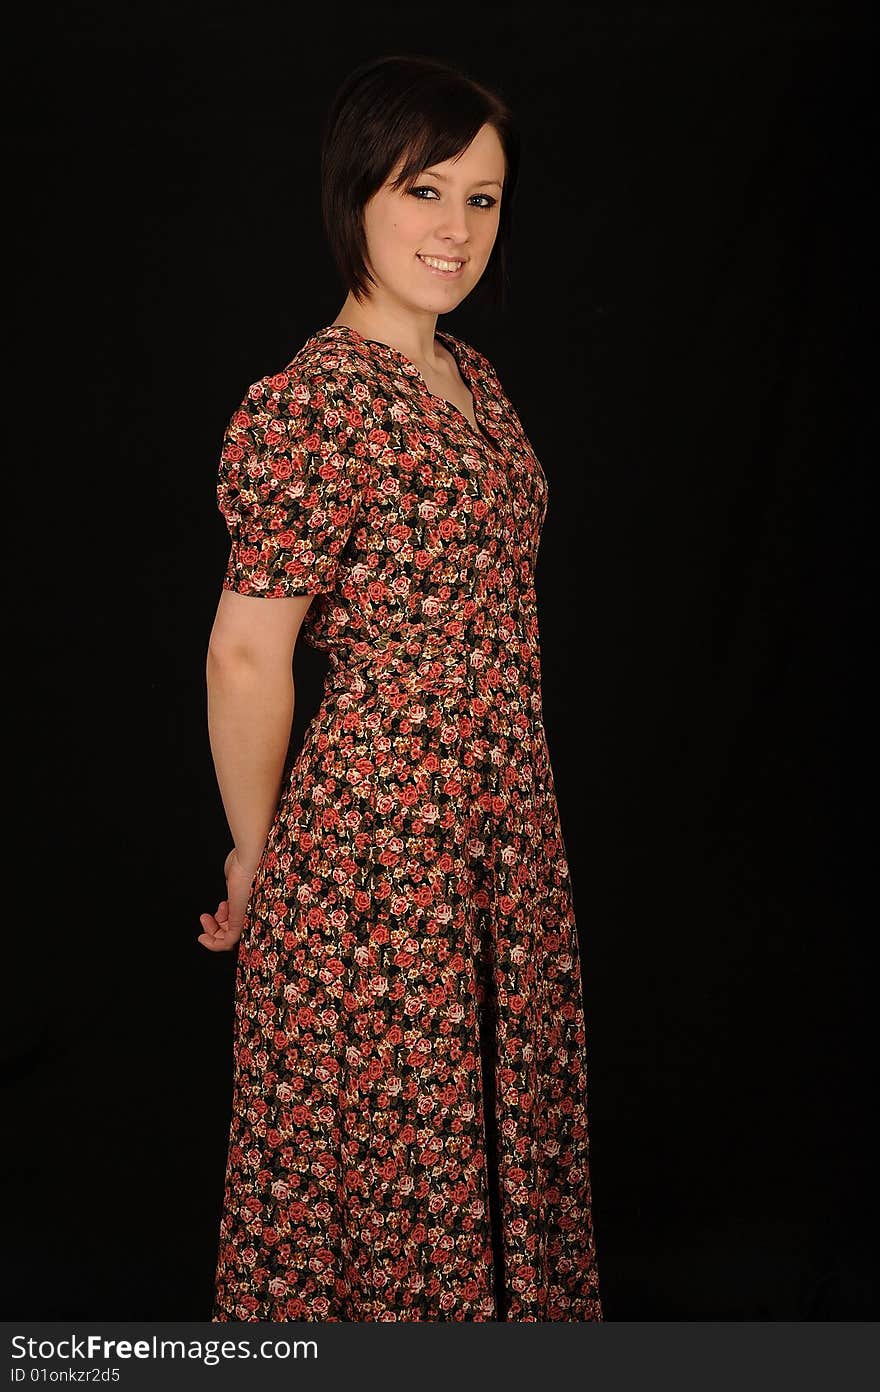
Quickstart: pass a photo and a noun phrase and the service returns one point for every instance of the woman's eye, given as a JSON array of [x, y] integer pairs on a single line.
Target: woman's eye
[[488, 201]]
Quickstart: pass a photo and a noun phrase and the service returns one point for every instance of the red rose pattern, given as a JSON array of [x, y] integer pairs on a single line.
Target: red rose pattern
[[409, 1132]]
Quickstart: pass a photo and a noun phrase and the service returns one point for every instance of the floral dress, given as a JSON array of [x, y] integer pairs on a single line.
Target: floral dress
[[409, 1129]]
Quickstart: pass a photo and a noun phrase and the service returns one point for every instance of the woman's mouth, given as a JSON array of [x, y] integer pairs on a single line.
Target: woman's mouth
[[441, 266]]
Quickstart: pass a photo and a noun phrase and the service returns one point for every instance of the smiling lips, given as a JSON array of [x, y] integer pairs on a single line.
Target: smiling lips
[[441, 265]]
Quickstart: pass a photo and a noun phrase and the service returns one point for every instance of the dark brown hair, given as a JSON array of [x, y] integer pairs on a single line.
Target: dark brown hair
[[420, 110]]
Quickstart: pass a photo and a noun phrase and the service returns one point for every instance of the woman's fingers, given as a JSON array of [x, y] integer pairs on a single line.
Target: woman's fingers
[[216, 934], [210, 929], [212, 922]]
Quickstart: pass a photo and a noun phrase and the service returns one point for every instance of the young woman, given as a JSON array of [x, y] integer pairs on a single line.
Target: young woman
[[409, 1133]]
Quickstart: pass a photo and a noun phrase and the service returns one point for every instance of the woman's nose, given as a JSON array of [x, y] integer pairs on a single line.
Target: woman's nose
[[454, 225]]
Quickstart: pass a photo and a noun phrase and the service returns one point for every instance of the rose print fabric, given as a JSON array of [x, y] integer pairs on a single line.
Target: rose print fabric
[[409, 1131]]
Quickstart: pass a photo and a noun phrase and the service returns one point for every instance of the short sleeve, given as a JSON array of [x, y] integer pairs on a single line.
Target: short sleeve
[[285, 490]]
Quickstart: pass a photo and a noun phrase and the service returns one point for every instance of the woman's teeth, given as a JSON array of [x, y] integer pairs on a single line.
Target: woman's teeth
[[440, 265]]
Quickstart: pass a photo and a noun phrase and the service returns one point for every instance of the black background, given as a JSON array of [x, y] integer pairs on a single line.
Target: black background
[[689, 346]]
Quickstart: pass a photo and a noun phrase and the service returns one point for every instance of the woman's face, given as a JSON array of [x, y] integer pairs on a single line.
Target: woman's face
[[451, 212]]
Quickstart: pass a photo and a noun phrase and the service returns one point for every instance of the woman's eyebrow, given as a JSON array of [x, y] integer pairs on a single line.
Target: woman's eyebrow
[[480, 183]]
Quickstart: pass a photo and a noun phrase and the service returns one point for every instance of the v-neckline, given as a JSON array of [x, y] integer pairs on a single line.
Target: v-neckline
[[452, 345]]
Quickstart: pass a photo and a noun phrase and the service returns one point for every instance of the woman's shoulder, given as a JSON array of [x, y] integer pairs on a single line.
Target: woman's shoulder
[[473, 355], [322, 363], [315, 379], [299, 408], [334, 370]]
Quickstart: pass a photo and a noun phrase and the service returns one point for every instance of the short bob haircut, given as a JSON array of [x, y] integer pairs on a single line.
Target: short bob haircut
[[418, 110]]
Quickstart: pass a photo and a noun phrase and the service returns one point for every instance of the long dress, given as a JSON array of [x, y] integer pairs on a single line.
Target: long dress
[[409, 1127]]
